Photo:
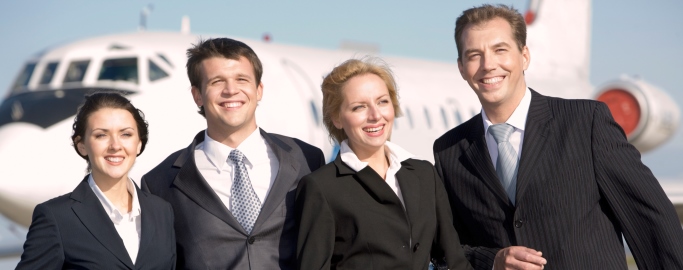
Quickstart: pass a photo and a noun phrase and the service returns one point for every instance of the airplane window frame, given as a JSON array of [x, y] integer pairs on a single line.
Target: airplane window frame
[[152, 75], [21, 82], [120, 66], [46, 78], [82, 65], [428, 118]]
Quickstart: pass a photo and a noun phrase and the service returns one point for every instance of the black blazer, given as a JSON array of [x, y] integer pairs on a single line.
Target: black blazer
[[580, 186], [208, 236], [353, 220], [73, 231]]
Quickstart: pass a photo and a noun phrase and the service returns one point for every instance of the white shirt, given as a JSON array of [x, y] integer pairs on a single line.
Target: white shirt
[[128, 224], [395, 154], [218, 170], [517, 120]]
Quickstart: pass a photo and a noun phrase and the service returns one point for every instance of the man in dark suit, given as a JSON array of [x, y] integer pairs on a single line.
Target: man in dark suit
[[233, 188], [538, 181]]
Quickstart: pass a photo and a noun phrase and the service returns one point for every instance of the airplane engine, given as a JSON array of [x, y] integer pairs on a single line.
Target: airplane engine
[[647, 114]]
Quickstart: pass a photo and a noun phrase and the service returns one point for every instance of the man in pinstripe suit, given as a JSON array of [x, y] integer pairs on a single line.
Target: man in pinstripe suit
[[575, 185]]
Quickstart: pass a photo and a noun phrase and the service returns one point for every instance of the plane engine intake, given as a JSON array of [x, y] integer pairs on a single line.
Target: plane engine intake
[[647, 114]]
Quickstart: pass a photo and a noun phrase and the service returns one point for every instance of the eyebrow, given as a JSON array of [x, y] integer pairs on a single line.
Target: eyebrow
[[497, 45], [105, 130]]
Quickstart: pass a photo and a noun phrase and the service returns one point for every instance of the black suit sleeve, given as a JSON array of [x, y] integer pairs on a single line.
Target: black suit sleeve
[[43, 247], [447, 240], [479, 257], [316, 226], [646, 216]]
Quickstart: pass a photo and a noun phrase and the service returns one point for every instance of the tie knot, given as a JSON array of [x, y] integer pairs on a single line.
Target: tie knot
[[501, 132], [236, 156]]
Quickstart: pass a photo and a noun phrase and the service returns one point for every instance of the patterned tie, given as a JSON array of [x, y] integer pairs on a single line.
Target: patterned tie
[[244, 202], [506, 165]]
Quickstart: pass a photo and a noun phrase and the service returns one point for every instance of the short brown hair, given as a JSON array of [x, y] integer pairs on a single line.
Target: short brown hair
[[334, 82], [219, 47], [485, 13]]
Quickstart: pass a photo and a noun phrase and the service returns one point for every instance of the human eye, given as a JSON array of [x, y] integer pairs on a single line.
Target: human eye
[[384, 101], [99, 135], [356, 108]]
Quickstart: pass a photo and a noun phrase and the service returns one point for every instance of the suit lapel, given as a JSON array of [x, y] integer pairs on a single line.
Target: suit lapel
[[90, 212], [287, 176], [371, 181], [146, 225], [478, 158], [535, 137], [192, 184], [410, 189]]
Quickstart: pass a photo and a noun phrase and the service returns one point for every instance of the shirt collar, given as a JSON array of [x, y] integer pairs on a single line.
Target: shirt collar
[[518, 117], [395, 153], [113, 212], [253, 147]]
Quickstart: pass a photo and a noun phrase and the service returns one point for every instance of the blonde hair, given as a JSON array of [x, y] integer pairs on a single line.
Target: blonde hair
[[334, 82]]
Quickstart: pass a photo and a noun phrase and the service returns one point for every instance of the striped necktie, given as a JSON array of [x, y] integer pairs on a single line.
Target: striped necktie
[[507, 163]]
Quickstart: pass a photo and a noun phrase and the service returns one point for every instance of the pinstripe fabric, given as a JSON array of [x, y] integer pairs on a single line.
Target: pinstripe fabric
[[580, 186], [506, 165]]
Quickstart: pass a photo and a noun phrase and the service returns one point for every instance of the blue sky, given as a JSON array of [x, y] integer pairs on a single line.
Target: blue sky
[[633, 37]]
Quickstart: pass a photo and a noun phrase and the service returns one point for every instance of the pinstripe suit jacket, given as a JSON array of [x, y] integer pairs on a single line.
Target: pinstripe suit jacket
[[580, 186]]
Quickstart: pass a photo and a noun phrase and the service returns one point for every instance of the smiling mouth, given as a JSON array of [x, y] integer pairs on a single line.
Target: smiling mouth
[[230, 105], [374, 130], [114, 159], [493, 80]]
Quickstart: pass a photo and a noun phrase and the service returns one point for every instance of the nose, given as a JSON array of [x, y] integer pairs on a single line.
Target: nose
[[374, 113], [114, 144], [230, 88], [489, 61]]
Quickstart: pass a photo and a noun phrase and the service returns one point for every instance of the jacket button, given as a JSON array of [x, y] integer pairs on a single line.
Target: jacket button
[[251, 240], [519, 223], [416, 247]]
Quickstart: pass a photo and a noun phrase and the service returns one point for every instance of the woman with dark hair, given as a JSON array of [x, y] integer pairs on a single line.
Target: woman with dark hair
[[375, 206], [107, 222]]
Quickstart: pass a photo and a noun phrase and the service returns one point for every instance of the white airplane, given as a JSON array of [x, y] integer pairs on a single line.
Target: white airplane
[[37, 114]]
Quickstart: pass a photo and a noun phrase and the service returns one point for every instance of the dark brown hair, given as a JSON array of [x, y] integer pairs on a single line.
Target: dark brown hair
[[101, 100], [219, 47], [485, 13]]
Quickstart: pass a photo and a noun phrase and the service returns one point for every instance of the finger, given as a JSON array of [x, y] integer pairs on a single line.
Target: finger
[[520, 265], [525, 256]]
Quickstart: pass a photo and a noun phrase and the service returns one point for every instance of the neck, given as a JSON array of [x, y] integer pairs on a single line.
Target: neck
[[230, 137], [116, 190], [501, 112], [376, 159]]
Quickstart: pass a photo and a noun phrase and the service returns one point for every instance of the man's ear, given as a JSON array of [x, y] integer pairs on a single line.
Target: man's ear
[[259, 91], [197, 96], [526, 57]]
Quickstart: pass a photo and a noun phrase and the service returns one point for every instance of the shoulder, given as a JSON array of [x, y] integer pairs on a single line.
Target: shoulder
[[165, 169], [572, 107], [296, 144], [458, 134], [324, 173], [57, 202]]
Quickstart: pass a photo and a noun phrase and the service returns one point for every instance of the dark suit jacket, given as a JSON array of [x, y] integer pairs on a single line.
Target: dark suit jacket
[[353, 220], [208, 236], [73, 231], [580, 186]]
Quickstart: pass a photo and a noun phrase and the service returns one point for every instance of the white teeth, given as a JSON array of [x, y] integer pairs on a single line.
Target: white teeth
[[373, 129], [232, 104], [492, 80], [114, 159]]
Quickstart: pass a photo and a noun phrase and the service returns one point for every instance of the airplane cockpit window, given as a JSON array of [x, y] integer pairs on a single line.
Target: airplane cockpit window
[[48, 73], [314, 112], [119, 69], [24, 77], [165, 59], [155, 72], [76, 71]]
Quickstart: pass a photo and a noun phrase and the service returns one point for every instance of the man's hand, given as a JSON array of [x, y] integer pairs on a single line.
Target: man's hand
[[518, 257]]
